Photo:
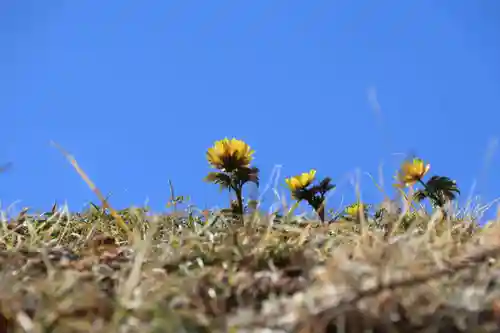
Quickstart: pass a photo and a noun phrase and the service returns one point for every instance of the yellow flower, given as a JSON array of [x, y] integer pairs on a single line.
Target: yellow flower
[[354, 209], [412, 171], [301, 181], [228, 155]]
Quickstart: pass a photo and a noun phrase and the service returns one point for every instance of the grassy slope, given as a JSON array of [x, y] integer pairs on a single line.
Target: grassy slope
[[78, 273]]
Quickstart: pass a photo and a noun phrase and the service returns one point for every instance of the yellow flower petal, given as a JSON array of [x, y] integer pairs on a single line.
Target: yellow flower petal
[[412, 171], [229, 155], [301, 181]]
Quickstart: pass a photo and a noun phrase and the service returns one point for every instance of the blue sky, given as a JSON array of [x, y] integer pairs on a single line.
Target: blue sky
[[138, 90]]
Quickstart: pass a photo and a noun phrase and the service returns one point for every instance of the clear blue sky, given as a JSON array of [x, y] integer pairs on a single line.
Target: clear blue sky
[[138, 90]]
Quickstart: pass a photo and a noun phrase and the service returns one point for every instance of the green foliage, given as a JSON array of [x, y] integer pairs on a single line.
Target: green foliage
[[439, 190]]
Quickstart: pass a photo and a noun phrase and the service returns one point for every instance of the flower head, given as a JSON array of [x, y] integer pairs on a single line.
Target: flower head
[[229, 155], [355, 209], [412, 171], [301, 181]]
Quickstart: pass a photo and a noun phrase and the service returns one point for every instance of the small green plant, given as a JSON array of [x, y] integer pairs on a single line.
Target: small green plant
[[438, 189], [314, 195], [356, 211], [232, 158]]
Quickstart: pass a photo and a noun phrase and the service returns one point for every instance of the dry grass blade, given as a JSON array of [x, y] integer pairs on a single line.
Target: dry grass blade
[[119, 220]]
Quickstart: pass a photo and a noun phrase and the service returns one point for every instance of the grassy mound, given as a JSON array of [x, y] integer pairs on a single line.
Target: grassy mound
[[394, 269], [180, 272]]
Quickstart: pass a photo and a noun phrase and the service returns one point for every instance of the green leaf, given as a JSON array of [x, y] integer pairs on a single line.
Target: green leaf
[[443, 189], [323, 187], [420, 195], [303, 194], [220, 178], [245, 175]]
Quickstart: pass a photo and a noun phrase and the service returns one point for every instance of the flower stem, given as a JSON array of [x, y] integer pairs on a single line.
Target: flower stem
[[319, 207], [238, 191], [423, 184], [321, 212]]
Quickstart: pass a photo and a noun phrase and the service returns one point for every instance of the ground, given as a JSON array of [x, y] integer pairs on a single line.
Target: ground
[[68, 272]]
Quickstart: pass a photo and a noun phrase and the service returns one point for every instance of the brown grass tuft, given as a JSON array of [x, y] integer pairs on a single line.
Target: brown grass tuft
[[79, 272]]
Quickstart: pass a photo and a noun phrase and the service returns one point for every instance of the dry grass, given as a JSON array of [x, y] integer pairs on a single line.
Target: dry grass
[[186, 273]]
